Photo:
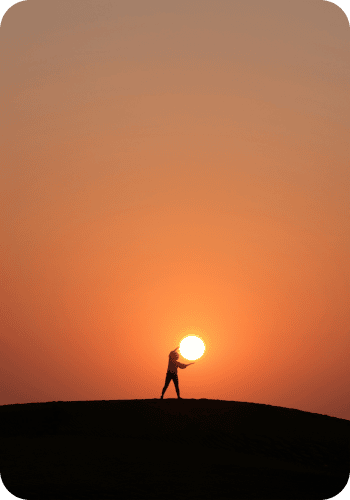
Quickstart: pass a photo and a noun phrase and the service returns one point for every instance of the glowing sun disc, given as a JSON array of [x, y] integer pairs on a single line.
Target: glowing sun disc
[[192, 347]]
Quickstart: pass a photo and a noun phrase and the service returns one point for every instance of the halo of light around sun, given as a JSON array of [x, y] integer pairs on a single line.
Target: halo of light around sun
[[192, 347]]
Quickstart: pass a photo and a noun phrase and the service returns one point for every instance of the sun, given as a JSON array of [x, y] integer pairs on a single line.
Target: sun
[[192, 347]]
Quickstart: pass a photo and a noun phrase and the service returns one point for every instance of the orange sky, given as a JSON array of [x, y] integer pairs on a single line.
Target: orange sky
[[170, 167]]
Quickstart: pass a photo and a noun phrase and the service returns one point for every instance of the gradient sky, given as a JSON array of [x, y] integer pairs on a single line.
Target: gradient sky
[[172, 167]]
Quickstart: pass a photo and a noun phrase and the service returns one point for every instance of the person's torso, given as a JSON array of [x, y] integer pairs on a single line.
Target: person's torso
[[172, 365]]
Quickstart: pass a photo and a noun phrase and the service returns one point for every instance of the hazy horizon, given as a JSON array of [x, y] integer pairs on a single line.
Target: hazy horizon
[[172, 167]]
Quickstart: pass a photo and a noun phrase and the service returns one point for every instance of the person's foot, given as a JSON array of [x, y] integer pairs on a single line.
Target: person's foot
[[179, 397]]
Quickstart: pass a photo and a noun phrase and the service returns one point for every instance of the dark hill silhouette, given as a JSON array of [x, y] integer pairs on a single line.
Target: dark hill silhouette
[[167, 449]]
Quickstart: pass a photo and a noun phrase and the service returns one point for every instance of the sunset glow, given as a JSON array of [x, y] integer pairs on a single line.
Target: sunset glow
[[171, 170]]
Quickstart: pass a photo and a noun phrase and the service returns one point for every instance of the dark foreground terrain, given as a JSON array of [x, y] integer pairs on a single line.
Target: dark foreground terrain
[[171, 449]]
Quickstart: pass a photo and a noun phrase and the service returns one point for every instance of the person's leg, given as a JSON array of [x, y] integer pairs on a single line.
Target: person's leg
[[167, 382], [176, 383]]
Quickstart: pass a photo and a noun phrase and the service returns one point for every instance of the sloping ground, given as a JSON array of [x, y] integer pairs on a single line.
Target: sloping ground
[[171, 448]]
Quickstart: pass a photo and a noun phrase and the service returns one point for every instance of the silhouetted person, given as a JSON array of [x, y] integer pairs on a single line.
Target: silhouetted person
[[171, 374]]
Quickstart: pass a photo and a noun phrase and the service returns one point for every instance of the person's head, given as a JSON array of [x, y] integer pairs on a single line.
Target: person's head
[[174, 355]]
